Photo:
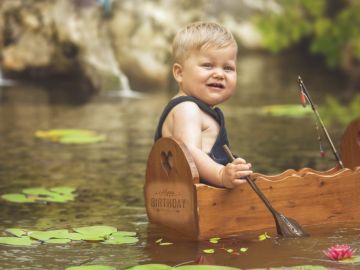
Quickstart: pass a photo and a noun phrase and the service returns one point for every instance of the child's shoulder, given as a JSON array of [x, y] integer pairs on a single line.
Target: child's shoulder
[[187, 108]]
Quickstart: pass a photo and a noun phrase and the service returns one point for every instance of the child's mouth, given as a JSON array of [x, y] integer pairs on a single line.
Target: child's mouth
[[216, 85]]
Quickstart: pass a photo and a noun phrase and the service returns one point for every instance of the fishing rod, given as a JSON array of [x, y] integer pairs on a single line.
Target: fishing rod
[[305, 94]]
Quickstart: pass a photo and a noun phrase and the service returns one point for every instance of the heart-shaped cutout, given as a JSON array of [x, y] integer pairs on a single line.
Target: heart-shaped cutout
[[166, 161]]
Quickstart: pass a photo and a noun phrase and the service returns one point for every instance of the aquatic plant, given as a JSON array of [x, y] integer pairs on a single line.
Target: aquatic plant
[[70, 136], [40, 194], [100, 233], [339, 252]]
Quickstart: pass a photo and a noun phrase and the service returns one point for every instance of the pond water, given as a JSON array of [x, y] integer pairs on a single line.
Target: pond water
[[109, 176]]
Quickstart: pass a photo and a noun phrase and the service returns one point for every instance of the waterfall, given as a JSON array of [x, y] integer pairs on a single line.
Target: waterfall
[[93, 39], [3, 81]]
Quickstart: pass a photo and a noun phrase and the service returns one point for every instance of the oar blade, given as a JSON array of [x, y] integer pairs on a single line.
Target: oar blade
[[288, 227]]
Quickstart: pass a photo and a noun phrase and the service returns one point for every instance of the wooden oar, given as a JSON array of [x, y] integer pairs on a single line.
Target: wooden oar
[[285, 227]]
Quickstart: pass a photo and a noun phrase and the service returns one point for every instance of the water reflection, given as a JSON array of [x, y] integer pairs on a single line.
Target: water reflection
[[109, 176]]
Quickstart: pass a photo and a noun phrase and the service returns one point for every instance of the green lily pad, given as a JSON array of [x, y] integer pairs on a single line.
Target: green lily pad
[[243, 249], [123, 233], [46, 235], [91, 267], [63, 190], [98, 230], [287, 110], [18, 198], [121, 240], [81, 139], [58, 241], [152, 266], [38, 191], [75, 236], [70, 136], [354, 259], [60, 198], [209, 251], [16, 241], [16, 232], [31, 195]]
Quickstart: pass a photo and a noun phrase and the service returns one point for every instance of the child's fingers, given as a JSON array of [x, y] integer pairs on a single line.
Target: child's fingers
[[239, 161], [243, 173], [237, 182], [243, 167]]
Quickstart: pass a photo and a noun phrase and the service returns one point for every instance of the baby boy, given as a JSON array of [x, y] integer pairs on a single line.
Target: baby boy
[[205, 69]]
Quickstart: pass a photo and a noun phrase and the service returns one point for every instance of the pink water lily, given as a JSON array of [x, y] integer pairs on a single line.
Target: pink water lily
[[339, 252]]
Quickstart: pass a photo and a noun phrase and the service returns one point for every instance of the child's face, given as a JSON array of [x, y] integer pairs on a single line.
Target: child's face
[[209, 75]]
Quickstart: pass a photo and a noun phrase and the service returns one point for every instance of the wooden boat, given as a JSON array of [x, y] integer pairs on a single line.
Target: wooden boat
[[175, 198]]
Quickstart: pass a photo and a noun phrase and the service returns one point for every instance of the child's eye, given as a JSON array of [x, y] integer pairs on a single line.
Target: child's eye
[[207, 65], [229, 68]]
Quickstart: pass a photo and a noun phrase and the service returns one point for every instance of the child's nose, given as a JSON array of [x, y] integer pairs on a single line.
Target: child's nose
[[218, 73]]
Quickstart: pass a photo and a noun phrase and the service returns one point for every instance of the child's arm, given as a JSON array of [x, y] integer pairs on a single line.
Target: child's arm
[[187, 124]]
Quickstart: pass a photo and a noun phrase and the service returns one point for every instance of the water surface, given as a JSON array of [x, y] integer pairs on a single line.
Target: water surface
[[109, 176]]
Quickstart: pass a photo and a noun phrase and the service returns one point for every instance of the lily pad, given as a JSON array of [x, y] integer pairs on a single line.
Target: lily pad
[[16, 241], [63, 190], [16, 232], [121, 240], [18, 198], [75, 236], [97, 230], [354, 259], [91, 267], [46, 235], [123, 233], [30, 195], [38, 191], [70, 136]]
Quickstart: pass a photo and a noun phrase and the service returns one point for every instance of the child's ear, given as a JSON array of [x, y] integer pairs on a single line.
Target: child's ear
[[177, 72]]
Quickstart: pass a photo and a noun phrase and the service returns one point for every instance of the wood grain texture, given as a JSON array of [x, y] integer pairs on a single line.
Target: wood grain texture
[[350, 145], [169, 188], [310, 200]]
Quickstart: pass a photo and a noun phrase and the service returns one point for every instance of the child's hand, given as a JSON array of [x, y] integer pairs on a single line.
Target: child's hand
[[232, 172]]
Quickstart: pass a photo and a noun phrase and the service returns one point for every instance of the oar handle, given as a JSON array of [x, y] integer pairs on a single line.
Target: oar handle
[[327, 135], [252, 184]]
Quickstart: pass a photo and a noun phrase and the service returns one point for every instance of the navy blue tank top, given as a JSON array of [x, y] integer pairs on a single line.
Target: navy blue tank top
[[217, 153]]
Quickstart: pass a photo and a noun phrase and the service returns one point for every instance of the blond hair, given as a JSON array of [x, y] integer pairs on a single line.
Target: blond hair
[[198, 36]]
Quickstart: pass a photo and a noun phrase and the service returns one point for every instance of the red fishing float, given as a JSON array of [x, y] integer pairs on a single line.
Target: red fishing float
[[303, 99]]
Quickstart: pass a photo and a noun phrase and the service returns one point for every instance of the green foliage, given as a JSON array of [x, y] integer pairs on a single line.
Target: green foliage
[[299, 19], [334, 112], [286, 110]]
